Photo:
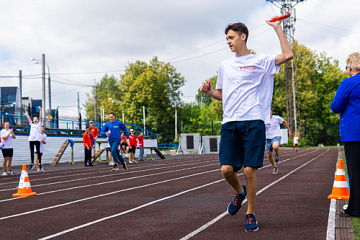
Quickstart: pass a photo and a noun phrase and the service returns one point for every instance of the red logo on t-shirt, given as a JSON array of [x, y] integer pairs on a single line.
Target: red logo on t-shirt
[[247, 68]]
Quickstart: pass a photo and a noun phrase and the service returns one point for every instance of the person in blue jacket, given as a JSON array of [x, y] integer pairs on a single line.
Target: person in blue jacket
[[347, 103], [112, 130]]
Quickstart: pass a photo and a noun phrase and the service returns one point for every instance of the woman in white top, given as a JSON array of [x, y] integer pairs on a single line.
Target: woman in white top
[[34, 136], [7, 136]]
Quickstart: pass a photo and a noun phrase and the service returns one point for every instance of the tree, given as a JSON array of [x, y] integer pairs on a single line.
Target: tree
[[107, 92], [155, 85]]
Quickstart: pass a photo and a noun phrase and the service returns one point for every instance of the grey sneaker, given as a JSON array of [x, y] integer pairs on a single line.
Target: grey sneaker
[[4, 174], [125, 167], [275, 170], [115, 168], [277, 158]]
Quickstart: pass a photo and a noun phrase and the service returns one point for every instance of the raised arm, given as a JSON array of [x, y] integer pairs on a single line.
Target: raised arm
[[286, 51], [207, 88], [27, 115], [40, 116]]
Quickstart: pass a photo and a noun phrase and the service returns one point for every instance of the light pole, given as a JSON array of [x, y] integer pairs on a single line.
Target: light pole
[[36, 61]]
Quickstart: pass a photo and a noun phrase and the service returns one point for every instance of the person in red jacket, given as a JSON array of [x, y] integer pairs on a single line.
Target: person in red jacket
[[95, 133], [133, 143], [88, 143], [141, 145]]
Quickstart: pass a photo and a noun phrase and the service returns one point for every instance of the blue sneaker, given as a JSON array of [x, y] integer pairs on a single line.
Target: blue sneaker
[[251, 223], [235, 204]]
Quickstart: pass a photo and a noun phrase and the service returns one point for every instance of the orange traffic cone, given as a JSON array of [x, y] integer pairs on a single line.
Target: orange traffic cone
[[24, 189], [340, 187]]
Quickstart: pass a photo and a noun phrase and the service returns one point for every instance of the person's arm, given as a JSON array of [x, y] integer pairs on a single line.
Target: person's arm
[[40, 116], [207, 88], [104, 130], [123, 127], [286, 51], [27, 115], [287, 126], [96, 133], [341, 97]]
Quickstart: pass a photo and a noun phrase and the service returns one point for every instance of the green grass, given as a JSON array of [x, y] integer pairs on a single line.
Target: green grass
[[355, 221]]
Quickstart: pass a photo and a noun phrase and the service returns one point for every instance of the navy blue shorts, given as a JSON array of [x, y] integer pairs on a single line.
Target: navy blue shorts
[[242, 144]]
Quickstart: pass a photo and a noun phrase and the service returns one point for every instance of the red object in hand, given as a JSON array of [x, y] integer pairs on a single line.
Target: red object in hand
[[280, 17]]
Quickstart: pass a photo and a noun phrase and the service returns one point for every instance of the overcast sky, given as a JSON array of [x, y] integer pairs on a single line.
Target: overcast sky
[[83, 40]]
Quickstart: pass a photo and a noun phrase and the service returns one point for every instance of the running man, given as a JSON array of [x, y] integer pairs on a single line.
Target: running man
[[245, 86], [112, 130], [295, 143], [273, 139]]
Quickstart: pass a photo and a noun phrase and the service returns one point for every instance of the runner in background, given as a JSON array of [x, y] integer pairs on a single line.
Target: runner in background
[[141, 145], [7, 136], [273, 139], [295, 142]]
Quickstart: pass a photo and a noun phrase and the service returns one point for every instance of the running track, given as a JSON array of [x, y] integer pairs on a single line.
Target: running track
[[181, 197]]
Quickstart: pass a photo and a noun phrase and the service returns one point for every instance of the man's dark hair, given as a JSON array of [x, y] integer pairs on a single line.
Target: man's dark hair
[[239, 27], [112, 114]]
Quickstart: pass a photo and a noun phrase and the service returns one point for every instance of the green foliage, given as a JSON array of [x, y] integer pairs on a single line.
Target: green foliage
[[317, 79], [107, 92]]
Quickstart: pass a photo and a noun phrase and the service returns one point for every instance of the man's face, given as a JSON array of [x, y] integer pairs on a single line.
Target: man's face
[[91, 124], [111, 118], [87, 130], [132, 133], [235, 41]]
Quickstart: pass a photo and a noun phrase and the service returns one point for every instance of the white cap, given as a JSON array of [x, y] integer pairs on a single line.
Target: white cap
[[131, 130]]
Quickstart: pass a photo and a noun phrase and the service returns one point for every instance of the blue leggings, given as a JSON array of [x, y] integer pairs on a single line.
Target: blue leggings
[[115, 151]]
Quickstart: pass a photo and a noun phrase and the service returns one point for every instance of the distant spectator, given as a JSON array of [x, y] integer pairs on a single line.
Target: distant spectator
[[295, 142], [43, 139], [124, 146], [95, 134], [7, 136], [133, 144], [34, 137], [141, 145], [87, 147]]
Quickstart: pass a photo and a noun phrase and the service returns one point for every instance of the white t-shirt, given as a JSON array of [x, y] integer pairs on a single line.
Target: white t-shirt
[[44, 136], [8, 143], [247, 84], [35, 131], [296, 140], [273, 128]]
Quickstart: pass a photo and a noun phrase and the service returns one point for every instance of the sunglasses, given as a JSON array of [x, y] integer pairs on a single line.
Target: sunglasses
[[346, 68]]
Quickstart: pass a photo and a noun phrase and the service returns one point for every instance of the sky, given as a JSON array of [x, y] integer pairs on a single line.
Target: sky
[[84, 40]]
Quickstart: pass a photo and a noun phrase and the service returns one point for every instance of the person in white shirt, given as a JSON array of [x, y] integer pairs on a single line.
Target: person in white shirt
[[245, 86], [34, 137], [7, 136], [273, 139], [295, 142], [43, 139]]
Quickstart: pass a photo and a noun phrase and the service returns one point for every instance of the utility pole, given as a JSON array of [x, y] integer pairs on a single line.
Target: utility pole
[[176, 133], [20, 93], [95, 120], [43, 86], [287, 6]]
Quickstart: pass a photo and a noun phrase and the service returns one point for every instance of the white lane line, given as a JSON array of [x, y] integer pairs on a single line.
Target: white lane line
[[98, 176], [68, 174], [114, 181], [330, 233], [192, 234], [156, 201]]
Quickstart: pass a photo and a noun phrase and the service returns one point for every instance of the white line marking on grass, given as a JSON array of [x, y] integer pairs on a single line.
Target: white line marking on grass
[[262, 190]]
